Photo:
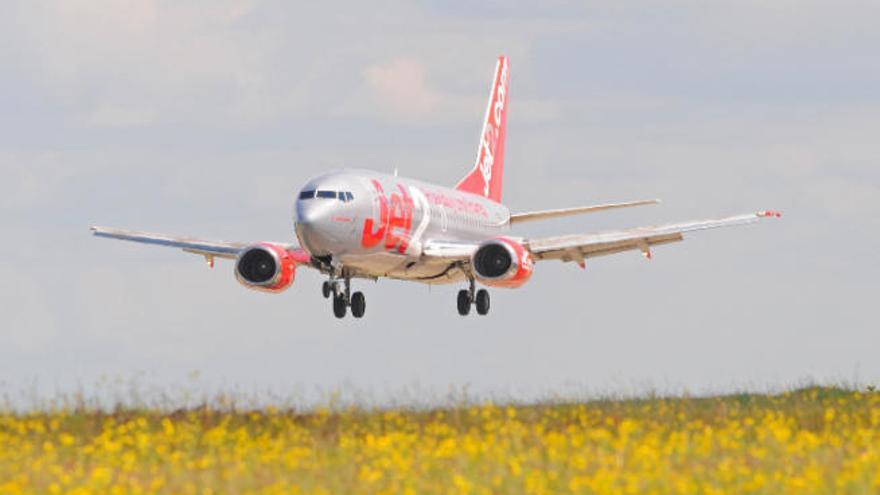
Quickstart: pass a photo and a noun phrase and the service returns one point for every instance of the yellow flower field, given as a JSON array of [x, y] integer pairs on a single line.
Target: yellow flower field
[[816, 440]]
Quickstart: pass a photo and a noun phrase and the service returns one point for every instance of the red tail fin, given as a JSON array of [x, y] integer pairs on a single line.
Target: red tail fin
[[486, 177]]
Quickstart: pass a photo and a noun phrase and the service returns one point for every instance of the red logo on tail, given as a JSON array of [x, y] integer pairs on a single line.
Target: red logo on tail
[[485, 178]]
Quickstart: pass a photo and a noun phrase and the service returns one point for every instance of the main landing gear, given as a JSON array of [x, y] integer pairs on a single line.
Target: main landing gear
[[469, 296], [343, 298]]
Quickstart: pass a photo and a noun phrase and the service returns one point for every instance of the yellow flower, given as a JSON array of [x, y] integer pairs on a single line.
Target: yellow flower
[[812, 441]]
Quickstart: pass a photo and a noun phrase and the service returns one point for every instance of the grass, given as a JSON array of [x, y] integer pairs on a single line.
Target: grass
[[811, 440]]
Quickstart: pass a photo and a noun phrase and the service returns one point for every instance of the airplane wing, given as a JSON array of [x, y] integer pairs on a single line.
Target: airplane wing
[[564, 212], [206, 248], [578, 247]]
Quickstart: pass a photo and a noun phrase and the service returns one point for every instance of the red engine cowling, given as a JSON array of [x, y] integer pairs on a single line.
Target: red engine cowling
[[266, 267], [502, 262]]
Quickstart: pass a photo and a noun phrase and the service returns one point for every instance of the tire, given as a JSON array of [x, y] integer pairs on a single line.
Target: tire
[[326, 289], [358, 304], [339, 306], [464, 302], [482, 301]]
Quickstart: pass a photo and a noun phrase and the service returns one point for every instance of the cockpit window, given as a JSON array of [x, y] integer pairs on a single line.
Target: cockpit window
[[344, 196]]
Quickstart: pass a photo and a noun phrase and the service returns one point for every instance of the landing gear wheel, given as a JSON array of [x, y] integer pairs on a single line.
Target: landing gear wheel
[[464, 302], [339, 306], [326, 289], [482, 301], [358, 304]]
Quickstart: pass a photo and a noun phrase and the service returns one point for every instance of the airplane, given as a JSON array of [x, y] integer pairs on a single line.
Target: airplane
[[360, 224]]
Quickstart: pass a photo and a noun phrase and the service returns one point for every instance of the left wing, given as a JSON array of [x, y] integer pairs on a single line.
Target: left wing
[[581, 246], [206, 248], [578, 247]]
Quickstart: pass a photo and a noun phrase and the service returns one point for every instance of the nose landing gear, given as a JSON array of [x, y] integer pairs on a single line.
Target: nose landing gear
[[343, 298], [471, 296], [339, 306]]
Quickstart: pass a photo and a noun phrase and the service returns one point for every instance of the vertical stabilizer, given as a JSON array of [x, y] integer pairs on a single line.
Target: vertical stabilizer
[[486, 177]]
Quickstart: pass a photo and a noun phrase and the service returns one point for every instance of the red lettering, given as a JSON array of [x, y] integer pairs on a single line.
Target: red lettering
[[371, 236], [400, 221], [395, 224]]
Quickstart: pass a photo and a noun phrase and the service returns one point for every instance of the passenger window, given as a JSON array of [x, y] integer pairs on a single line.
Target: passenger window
[[326, 194], [307, 194], [349, 196]]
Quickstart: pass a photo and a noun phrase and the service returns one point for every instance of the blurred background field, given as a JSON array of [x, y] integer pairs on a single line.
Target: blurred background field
[[809, 440]]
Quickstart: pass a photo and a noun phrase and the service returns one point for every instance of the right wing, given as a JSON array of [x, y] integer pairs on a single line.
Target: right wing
[[578, 247], [208, 249], [564, 212]]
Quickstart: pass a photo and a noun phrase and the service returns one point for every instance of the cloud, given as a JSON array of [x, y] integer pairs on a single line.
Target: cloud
[[204, 119], [108, 115], [755, 24], [133, 63], [247, 64], [401, 84]]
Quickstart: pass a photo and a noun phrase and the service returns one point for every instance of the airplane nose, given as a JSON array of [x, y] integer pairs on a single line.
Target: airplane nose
[[313, 226], [308, 214]]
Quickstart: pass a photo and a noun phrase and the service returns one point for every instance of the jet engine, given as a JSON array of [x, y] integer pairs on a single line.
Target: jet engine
[[266, 267], [502, 262]]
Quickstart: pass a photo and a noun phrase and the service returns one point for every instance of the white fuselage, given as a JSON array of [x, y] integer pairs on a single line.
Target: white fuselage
[[376, 225]]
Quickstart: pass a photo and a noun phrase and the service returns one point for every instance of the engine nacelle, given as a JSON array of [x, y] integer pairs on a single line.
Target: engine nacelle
[[502, 262], [266, 267]]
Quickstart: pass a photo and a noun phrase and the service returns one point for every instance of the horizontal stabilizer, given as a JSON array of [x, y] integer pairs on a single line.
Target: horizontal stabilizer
[[565, 212]]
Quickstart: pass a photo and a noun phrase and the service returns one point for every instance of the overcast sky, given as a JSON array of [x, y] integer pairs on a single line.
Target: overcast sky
[[204, 118]]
